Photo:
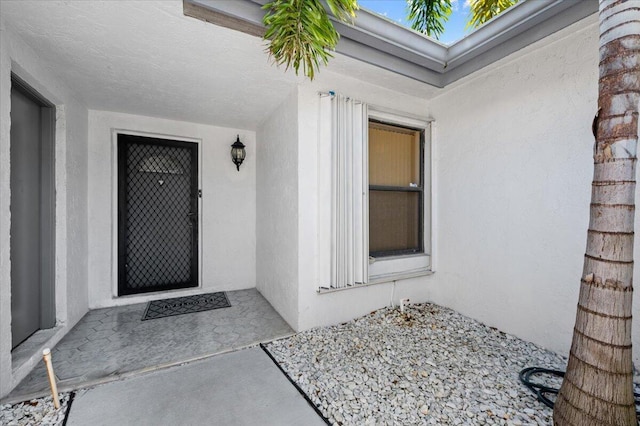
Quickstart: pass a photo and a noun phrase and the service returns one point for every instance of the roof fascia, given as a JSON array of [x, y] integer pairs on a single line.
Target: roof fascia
[[382, 34], [519, 26], [240, 15], [381, 42], [384, 60]]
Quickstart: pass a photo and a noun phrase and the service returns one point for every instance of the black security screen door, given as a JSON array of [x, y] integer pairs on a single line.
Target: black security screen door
[[157, 214]]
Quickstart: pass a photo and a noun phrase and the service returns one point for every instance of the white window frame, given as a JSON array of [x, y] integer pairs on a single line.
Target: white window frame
[[388, 268], [339, 213]]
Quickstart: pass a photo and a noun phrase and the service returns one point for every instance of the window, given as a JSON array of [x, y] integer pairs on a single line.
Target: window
[[395, 190], [374, 218]]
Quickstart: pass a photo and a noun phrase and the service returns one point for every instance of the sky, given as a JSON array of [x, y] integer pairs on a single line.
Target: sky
[[396, 10]]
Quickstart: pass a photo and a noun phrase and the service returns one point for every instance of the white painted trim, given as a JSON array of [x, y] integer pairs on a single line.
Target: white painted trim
[[392, 116], [139, 298], [501, 27], [397, 265], [433, 195], [388, 267], [380, 280], [399, 118]]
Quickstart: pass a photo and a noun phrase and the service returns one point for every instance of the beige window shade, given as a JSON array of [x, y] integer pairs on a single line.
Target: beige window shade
[[393, 221], [394, 155], [395, 190]]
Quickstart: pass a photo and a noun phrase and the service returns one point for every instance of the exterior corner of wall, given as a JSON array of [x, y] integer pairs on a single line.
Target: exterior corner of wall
[[277, 206]]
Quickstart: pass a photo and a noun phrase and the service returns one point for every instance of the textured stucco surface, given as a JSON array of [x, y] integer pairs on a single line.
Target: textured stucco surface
[[159, 62], [228, 204], [277, 209], [331, 308], [76, 214], [164, 64], [289, 207], [514, 167], [71, 196]]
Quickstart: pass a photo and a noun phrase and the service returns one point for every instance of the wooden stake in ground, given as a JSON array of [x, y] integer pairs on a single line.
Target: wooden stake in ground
[[46, 355], [598, 386]]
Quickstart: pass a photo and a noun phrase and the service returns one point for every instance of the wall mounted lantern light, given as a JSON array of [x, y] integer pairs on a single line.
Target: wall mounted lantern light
[[238, 153]]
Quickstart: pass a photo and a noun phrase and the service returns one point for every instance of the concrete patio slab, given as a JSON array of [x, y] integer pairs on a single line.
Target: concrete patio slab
[[111, 343], [238, 388]]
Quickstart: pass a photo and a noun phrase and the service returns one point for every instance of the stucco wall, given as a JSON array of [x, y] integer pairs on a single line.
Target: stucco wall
[[277, 210], [228, 205], [76, 214], [71, 197], [512, 162], [330, 308], [514, 167]]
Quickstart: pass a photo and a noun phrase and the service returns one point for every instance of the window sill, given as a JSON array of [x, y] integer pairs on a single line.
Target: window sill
[[397, 276], [373, 259], [381, 279], [390, 266]]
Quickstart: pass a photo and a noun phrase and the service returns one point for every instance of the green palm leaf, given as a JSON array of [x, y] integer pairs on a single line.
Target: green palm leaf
[[301, 34], [485, 10], [429, 16]]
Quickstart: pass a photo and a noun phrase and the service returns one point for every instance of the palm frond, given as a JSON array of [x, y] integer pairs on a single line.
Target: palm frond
[[344, 10], [429, 16], [485, 10], [300, 33]]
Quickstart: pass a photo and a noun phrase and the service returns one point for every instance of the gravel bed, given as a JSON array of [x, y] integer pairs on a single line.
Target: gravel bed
[[38, 411], [429, 366]]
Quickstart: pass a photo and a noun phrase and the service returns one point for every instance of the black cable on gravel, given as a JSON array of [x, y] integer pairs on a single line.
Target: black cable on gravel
[[541, 390]]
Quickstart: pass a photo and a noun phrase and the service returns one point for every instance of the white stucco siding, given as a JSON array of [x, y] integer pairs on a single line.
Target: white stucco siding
[[71, 197], [75, 181], [228, 205], [317, 309], [278, 209], [514, 164]]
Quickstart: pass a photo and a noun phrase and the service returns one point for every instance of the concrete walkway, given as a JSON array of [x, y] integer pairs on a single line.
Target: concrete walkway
[[237, 388]]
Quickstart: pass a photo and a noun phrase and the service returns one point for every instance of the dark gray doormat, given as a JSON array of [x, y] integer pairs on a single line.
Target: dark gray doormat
[[185, 305]]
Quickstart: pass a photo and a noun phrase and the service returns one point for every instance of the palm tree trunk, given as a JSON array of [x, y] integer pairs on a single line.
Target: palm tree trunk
[[598, 386]]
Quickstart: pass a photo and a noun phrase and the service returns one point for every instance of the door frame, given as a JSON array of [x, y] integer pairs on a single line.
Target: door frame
[[115, 209], [47, 202]]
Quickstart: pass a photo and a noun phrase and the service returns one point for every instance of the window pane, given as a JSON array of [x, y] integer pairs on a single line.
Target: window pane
[[394, 221], [394, 155]]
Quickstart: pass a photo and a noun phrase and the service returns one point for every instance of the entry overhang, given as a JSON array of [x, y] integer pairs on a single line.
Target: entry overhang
[[381, 42]]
